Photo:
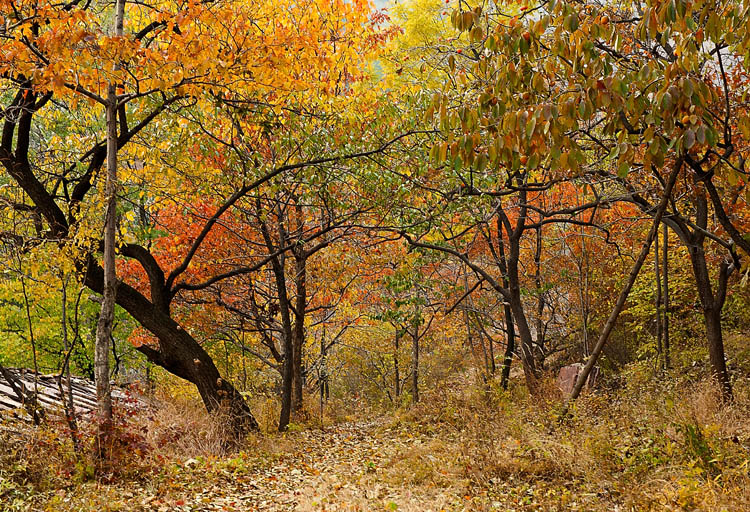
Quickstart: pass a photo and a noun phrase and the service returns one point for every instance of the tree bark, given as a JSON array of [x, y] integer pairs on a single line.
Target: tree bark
[[287, 371], [107, 313], [540, 293], [516, 307], [395, 363], [658, 301], [510, 329], [514, 293], [298, 333], [490, 342], [67, 399], [415, 365], [610, 324], [712, 304], [179, 353], [716, 352], [665, 271], [510, 346]]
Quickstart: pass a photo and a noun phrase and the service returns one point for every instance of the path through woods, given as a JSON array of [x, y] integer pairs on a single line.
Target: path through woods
[[371, 466]]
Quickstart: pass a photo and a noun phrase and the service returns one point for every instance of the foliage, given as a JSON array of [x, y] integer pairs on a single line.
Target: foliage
[[361, 226]]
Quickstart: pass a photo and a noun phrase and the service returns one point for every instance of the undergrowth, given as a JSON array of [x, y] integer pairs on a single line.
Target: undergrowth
[[655, 443]]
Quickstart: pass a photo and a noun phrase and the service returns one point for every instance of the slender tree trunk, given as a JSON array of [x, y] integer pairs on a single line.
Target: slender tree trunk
[[665, 270], [540, 293], [510, 346], [32, 397], [278, 266], [485, 335], [287, 375], [493, 367], [583, 377], [415, 365], [510, 329], [323, 373], [658, 301], [395, 363], [484, 351], [70, 408], [584, 289], [298, 333], [107, 313], [516, 307], [716, 352]]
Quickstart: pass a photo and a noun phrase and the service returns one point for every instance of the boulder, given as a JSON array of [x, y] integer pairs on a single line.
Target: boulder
[[568, 375]]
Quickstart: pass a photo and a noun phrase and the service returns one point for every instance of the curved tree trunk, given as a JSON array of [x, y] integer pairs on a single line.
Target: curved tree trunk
[[179, 353]]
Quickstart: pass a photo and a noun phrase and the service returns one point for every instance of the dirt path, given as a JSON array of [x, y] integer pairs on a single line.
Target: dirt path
[[381, 465], [362, 466]]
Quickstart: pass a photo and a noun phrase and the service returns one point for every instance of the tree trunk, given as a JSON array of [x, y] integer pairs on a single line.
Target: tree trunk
[[509, 347], [490, 342], [278, 266], [583, 377], [510, 329], [415, 366], [287, 371], [665, 271], [67, 399], [712, 304], [107, 313], [298, 333], [179, 353], [183, 356], [395, 364], [716, 352], [584, 289], [516, 307], [483, 334], [540, 294], [658, 301]]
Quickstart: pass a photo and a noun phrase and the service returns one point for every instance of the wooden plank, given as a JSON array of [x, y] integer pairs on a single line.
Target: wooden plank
[[7, 403], [7, 390], [84, 392]]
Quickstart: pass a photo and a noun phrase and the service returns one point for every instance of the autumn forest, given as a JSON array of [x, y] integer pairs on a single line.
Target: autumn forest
[[419, 255]]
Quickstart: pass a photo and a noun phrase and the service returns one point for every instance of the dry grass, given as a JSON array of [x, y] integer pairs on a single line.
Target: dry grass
[[653, 444]]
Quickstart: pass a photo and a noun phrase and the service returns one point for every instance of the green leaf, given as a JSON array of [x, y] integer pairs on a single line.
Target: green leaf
[[457, 163], [530, 126], [688, 139], [571, 22], [623, 169]]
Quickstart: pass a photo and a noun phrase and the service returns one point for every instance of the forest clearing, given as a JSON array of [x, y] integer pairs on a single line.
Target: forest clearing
[[419, 255]]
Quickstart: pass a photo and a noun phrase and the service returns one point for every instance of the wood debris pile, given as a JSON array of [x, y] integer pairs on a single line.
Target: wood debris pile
[[47, 389]]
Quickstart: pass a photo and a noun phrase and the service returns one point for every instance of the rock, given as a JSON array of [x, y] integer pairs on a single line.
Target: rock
[[568, 375]]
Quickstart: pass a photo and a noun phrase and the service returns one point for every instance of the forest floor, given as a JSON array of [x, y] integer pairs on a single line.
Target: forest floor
[[358, 466], [654, 448]]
